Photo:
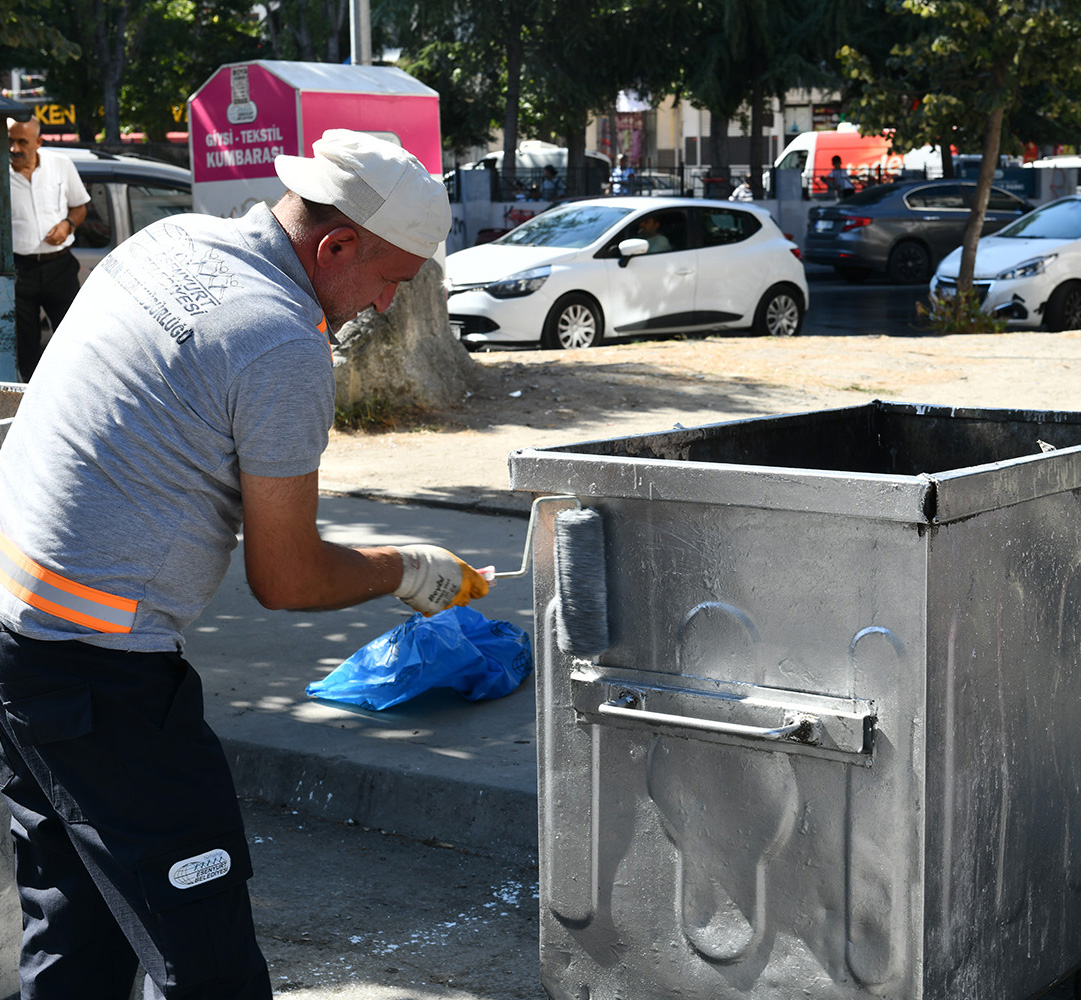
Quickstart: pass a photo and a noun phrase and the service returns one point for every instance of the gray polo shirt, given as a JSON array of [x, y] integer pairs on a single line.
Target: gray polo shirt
[[196, 349]]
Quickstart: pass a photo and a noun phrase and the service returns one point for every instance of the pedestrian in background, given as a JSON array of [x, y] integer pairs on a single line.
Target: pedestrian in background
[[838, 181], [743, 191], [622, 179], [191, 387], [48, 203], [552, 185]]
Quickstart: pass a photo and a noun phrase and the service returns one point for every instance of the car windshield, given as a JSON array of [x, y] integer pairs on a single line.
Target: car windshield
[[572, 226], [1061, 221]]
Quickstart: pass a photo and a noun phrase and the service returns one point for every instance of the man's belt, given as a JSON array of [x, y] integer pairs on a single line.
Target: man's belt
[[50, 592], [39, 257]]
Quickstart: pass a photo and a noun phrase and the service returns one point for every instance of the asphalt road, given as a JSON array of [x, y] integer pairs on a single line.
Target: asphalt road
[[355, 914], [873, 307]]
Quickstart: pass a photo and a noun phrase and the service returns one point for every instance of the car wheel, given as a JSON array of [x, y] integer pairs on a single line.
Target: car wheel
[[1063, 310], [574, 322], [780, 313], [910, 263]]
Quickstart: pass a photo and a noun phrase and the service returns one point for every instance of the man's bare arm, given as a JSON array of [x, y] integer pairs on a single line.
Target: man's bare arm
[[290, 566]]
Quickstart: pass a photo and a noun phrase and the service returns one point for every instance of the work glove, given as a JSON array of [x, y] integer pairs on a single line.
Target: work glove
[[434, 579]]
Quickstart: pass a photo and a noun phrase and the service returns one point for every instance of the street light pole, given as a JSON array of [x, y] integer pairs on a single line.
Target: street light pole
[[360, 32], [21, 113]]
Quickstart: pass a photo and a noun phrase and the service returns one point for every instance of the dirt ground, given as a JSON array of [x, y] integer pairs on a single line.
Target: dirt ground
[[541, 398]]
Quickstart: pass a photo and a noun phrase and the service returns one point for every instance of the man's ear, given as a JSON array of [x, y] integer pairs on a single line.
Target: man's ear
[[338, 247]]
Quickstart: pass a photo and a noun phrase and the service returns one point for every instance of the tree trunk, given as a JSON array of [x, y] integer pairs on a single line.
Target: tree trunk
[[757, 99], [336, 14], [720, 166], [406, 358], [515, 58], [947, 160], [576, 159], [110, 40], [991, 142]]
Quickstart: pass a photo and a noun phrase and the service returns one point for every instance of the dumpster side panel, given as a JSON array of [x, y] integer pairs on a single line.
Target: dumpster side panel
[[1003, 743], [681, 857]]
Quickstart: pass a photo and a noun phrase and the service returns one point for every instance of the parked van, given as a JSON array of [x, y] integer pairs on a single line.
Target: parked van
[[865, 157], [533, 156]]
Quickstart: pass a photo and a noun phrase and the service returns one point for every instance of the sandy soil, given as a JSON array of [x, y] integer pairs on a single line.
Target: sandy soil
[[540, 398]]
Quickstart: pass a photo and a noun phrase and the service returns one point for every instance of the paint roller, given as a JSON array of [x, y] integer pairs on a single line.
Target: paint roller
[[581, 612]]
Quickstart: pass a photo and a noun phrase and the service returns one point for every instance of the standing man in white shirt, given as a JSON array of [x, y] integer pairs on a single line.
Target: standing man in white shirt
[[48, 203]]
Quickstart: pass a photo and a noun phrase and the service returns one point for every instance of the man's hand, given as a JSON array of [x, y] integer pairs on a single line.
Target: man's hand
[[60, 232], [434, 579], [65, 227]]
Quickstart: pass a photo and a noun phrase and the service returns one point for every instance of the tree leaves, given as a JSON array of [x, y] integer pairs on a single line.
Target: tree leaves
[[25, 31]]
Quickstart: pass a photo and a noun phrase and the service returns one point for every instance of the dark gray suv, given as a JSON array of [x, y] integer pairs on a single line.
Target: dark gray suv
[[904, 229], [126, 194]]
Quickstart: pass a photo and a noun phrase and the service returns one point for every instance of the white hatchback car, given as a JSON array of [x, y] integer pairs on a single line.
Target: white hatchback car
[[602, 268], [1030, 272]]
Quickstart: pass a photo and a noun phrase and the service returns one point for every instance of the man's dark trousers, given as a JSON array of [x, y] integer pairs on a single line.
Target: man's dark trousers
[[44, 281], [129, 844]]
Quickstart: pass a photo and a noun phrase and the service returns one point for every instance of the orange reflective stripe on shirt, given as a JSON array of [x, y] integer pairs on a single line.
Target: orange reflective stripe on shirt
[[322, 326], [48, 591]]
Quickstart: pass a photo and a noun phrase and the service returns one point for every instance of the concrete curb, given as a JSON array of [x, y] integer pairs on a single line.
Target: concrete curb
[[479, 817], [509, 504]]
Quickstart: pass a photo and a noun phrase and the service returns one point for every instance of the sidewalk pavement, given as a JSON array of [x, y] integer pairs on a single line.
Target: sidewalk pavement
[[436, 768]]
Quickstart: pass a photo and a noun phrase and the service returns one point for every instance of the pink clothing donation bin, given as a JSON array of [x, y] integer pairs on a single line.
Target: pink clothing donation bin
[[248, 113]]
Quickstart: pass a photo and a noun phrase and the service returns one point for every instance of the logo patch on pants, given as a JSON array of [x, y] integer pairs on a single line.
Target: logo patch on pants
[[202, 868]]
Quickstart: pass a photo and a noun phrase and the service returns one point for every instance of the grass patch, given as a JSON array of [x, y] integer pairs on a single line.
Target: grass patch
[[378, 414], [959, 313]]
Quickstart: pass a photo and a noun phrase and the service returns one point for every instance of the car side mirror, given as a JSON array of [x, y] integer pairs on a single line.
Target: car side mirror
[[631, 248]]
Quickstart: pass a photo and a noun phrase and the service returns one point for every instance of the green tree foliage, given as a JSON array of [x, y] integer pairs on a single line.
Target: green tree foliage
[[745, 51], [442, 46], [976, 73], [584, 54], [539, 66], [467, 92], [309, 30], [27, 35], [138, 59], [92, 82], [174, 48], [490, 40]]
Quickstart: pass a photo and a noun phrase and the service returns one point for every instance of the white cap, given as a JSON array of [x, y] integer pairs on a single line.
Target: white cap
[[376, 184]]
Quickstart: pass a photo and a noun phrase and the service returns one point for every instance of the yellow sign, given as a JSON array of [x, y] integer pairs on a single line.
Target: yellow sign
[[55, 114]]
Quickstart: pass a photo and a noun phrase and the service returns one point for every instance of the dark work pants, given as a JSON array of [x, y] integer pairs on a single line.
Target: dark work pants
[[50, 284], [129, 844]]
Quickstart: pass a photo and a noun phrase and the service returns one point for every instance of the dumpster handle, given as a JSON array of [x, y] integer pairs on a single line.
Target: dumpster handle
[[804, 728]]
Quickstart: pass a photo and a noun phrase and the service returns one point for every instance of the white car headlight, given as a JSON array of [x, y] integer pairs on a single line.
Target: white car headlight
[[1026, 269], [523, 283]]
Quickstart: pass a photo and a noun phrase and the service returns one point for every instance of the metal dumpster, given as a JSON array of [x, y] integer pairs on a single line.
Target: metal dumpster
[[832, 749]]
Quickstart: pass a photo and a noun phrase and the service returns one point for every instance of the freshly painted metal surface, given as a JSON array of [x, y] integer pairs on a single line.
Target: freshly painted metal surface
[[831, 750]]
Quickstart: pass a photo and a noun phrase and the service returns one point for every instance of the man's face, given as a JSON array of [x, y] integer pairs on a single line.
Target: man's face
[[24, 140], [369, 281]]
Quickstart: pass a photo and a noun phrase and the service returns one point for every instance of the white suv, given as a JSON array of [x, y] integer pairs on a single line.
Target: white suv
[[126, 194]]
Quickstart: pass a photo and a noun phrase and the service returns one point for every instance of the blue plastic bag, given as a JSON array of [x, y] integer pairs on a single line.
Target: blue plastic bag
[[458, 648]]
